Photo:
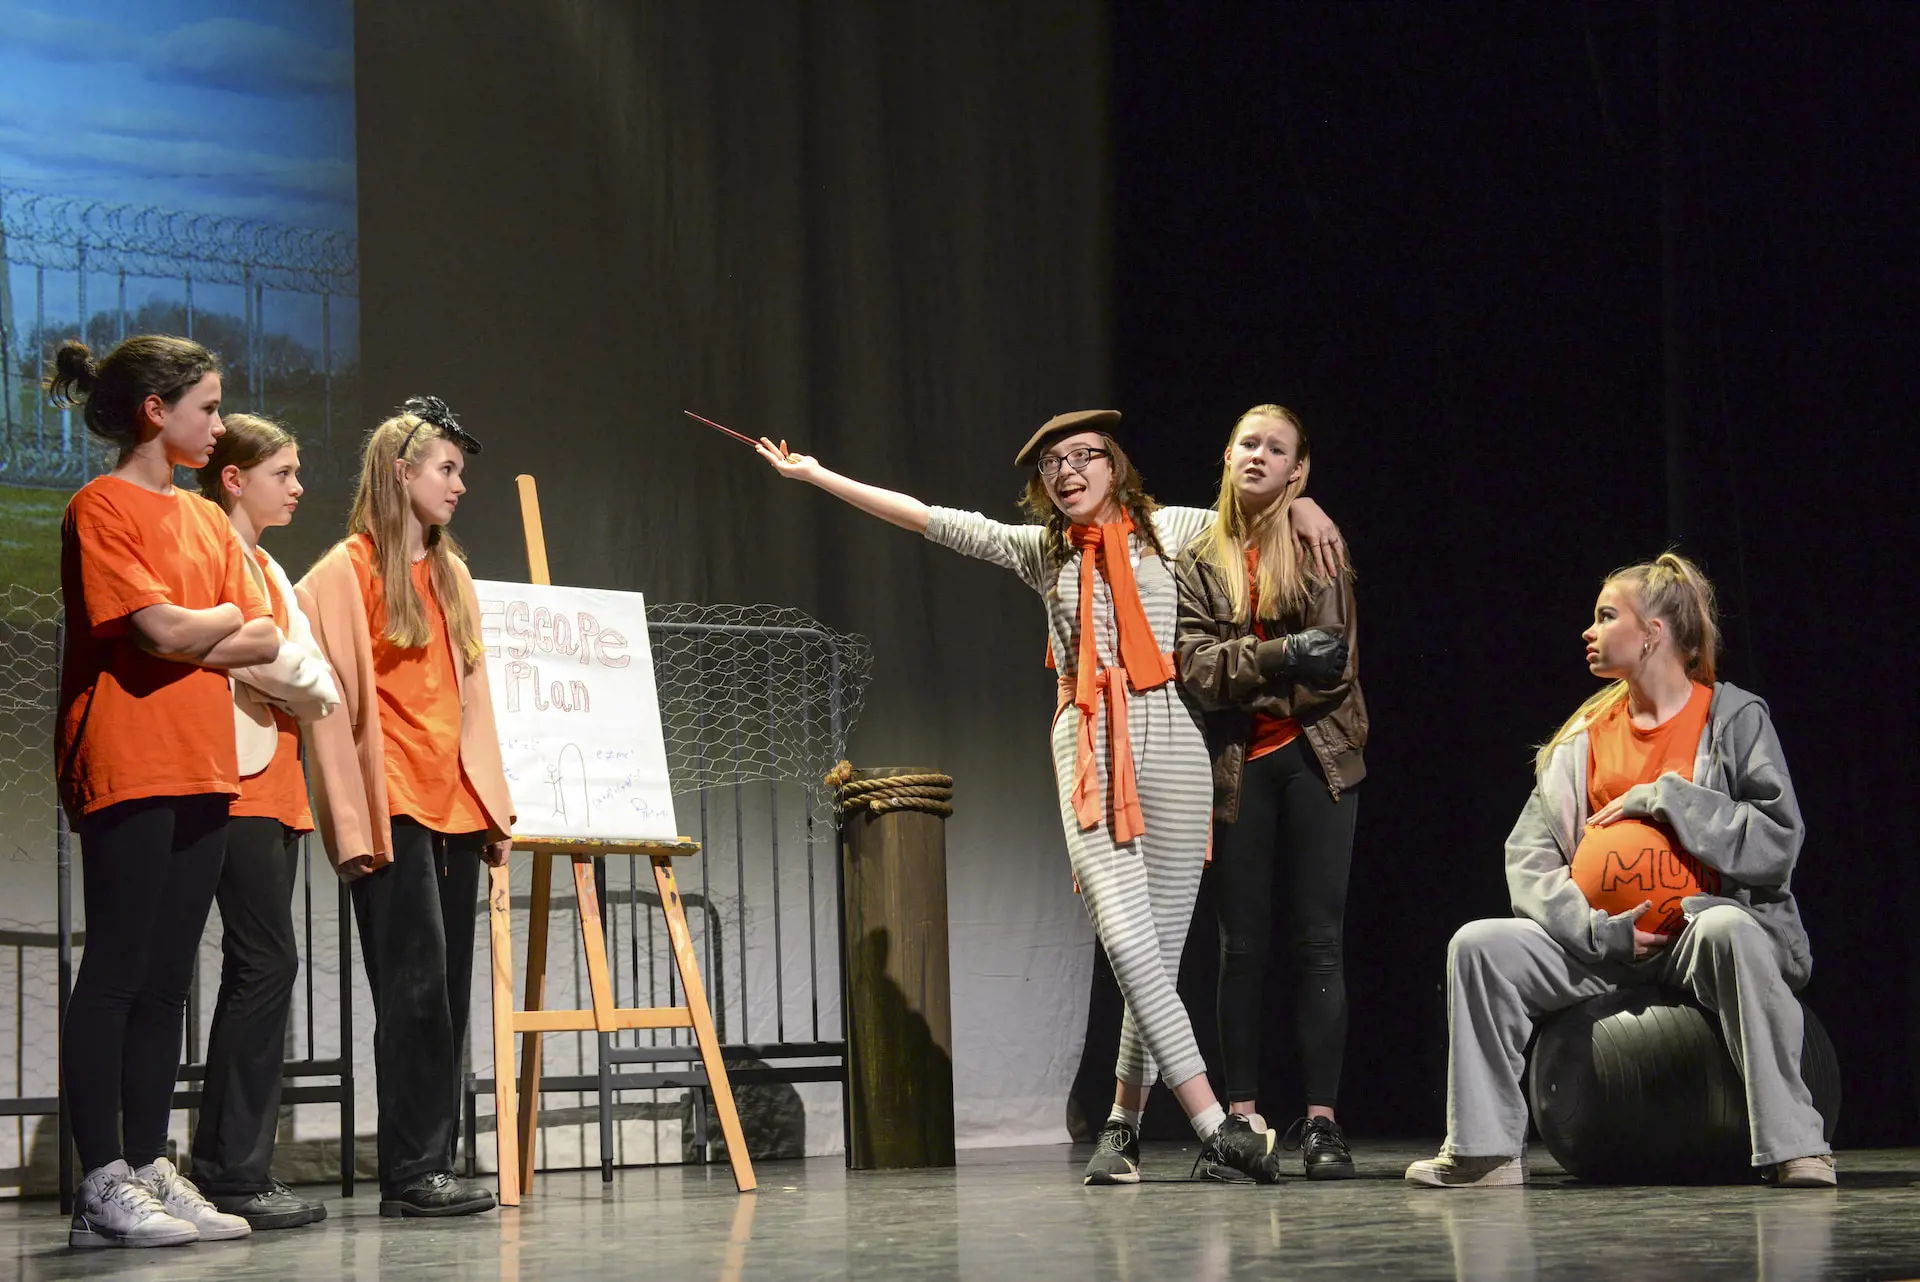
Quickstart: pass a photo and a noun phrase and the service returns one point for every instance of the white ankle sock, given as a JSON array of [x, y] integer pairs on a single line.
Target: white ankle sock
[[1128, 1117], [1208, 1120]]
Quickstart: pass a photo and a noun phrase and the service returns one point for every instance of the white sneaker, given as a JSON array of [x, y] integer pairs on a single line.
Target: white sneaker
[[1449, 1171], [115, 1209], [181, 1199]]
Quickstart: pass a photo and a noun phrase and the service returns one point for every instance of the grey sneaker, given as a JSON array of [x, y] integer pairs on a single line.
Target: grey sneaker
[[1451, 1171], [1817, 1172], [183, 1201], [113, 1208], [1116, 1158]]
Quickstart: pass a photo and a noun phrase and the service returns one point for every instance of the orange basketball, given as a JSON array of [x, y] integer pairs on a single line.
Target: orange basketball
[[1625, 864]]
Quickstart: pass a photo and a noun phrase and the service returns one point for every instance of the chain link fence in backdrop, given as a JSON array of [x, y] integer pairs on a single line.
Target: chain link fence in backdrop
[[29, 929], [240, 286], [756, 704]]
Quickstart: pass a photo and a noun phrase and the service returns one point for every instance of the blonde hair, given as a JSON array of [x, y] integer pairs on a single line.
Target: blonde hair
[[1672, 589], [1286, 578], [380, 512], [250, 440]]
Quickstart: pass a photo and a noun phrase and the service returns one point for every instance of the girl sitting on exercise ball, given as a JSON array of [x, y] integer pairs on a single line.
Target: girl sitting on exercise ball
[[1699, 763]]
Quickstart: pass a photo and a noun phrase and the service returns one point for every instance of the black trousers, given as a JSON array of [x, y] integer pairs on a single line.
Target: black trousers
[[416, 919], [1292, 832], [239, 1113], [148, 872]]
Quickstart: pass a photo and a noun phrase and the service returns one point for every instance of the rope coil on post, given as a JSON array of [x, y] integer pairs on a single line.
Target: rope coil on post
[[931, 793]]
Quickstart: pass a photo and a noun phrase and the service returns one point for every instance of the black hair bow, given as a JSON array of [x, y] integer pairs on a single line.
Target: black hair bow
[[431, 409]]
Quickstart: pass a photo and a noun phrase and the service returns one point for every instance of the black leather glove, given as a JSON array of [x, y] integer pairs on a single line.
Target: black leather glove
[[1315, 657]]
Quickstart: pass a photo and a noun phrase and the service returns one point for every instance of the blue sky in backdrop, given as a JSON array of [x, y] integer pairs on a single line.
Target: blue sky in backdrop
[[241, 109]]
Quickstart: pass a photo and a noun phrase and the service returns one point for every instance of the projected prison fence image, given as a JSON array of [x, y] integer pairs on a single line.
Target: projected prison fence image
[[278, 303]]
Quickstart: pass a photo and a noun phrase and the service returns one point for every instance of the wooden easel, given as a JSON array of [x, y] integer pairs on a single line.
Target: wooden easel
[[517, 1109]]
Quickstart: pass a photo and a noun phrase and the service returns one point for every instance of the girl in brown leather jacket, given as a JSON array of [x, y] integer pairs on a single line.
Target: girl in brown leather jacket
[[1266, 648]]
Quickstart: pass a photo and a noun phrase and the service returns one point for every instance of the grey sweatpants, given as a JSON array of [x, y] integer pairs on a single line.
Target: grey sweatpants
[[1503, 974], [1140, 895]]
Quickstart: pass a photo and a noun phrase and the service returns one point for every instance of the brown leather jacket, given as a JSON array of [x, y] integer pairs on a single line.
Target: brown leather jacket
[[1222, 670]]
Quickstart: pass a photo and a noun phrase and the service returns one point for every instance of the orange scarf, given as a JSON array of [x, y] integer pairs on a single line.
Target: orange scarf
[[1104, 548]]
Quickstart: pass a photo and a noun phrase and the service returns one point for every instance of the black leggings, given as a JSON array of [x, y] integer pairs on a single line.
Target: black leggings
[[1288, 821], [416, 918], [148, 872], [246, 1049]]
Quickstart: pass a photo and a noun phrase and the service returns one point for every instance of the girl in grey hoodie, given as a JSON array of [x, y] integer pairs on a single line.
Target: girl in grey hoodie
[[1666, 744]]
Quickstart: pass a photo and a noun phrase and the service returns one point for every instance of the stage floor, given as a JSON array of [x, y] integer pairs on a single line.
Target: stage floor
[[1013, 1214]]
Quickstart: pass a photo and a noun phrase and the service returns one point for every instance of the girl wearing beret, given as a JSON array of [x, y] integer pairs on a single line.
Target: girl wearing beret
[[1129, 759]]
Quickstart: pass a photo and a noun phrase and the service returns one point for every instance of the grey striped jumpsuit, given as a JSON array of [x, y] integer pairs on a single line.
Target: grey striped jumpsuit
[[1140, 895]]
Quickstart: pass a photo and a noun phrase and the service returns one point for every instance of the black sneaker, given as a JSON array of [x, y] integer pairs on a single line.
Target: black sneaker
[[1236, 1146], [277, 1208], [1323, 1148], [1116, 1157], [436, 1193]]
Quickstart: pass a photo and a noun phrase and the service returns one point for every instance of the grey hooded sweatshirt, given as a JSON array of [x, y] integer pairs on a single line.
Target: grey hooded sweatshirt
[[1738, 815]]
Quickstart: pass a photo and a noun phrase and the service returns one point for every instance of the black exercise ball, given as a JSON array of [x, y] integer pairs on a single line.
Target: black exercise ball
[[1636, 1087]]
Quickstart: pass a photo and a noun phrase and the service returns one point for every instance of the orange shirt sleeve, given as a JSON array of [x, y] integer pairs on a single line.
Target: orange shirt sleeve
[[114, 577]]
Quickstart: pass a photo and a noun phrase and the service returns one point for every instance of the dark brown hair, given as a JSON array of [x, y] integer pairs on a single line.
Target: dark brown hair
[[114, 389], [1129, 491], [248, 441]]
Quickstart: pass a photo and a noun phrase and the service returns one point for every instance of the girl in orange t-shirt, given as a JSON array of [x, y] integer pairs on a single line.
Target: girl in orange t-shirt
[[255, 475], [1266, 649], [410, 793], [158, 602]]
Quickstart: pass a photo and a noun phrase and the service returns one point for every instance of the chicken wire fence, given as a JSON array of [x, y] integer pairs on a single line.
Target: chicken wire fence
[[756, 704]]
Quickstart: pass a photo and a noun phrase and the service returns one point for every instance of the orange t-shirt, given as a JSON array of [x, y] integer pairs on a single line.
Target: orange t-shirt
[[280, 790], [1270, 734], [419, 692], [1620, 755], [132, 724]]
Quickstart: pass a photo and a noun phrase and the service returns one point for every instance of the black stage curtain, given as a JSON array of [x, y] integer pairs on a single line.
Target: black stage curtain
[[878, 230], [1539, 325]]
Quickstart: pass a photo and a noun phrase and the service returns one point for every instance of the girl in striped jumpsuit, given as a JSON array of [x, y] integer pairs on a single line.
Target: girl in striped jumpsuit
[[1136, 816]]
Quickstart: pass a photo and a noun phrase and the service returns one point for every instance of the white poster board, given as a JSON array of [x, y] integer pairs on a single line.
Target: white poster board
[[572, 677]]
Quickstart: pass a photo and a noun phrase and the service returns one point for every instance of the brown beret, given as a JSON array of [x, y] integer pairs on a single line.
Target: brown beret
[[1066, 425]]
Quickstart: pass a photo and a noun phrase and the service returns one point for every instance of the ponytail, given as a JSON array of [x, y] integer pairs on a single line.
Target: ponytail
[[1672, 589]]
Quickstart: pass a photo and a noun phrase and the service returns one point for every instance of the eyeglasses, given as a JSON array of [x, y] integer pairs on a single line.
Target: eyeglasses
[[1075, 459]]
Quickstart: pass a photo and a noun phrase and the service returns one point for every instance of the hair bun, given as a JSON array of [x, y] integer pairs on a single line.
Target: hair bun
[[75, 367]]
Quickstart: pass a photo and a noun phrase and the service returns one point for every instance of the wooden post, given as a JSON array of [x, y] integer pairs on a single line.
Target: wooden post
[[898, 999]]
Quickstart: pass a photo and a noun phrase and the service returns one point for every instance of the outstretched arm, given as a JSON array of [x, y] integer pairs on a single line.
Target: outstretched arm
[[903, 510]]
